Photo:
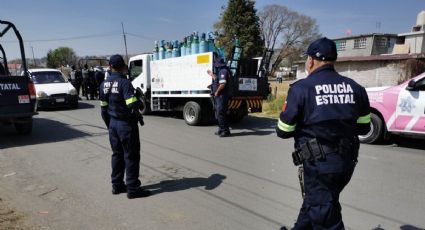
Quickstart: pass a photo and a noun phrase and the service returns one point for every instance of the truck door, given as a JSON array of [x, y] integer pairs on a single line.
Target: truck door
[[410, 110], [137, 75]]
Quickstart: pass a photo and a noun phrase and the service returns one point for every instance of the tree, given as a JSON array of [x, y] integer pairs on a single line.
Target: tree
[[239, 19], [291, 30], [61, 56]]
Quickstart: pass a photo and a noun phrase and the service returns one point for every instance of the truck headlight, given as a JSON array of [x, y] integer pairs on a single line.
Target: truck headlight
[[41, 94], [72, 92]]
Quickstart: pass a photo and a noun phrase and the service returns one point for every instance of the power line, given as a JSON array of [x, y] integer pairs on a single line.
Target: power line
[[68, 38]]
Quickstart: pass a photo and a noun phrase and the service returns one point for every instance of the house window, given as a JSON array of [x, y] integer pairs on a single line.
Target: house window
[[340, 45], [360, 43], [382, 42]]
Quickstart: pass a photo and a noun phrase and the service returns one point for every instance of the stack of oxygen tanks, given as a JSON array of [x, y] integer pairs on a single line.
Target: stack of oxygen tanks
[[192, 44]]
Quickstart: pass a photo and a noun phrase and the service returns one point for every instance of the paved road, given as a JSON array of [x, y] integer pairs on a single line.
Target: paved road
[[59, 177]]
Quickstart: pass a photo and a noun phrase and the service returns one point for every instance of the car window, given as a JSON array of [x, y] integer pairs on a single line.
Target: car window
[[47, 77], [420, 85], [136, 68]]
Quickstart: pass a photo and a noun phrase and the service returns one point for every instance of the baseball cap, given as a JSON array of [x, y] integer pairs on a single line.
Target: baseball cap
[[322, 49], [219, 62], [116, 61]]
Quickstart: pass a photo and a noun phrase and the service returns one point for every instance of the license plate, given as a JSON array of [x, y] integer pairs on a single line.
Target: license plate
[[60, 99], [24, 99]]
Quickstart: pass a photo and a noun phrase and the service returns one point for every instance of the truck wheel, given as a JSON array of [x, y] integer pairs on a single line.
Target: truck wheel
[[376, 130], [236, 116], [192, 113], [24, 128], [145, 107]]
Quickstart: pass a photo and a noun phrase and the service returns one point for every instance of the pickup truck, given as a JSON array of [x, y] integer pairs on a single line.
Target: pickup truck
[[17, 93], [397, 110]]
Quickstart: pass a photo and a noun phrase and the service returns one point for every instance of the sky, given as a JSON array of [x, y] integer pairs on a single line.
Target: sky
[[93, 27]]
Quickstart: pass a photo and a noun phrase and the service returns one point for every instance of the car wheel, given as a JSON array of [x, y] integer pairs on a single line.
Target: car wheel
[[24, 127], [192, 113], [376, 132]]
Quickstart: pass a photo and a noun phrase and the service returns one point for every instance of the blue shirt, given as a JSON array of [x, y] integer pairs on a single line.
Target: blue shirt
[[326, 106]]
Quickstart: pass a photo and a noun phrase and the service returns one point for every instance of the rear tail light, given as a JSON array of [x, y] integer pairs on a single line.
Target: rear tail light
[[31, 89]]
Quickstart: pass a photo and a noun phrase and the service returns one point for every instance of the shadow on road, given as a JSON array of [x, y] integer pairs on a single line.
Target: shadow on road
[[404, 227], [81, 105], [209, 183], [404, 142], [44, 131], [254, 126]]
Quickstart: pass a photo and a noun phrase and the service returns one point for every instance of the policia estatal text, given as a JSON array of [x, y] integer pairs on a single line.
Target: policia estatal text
[[324, 113], [120, 111]]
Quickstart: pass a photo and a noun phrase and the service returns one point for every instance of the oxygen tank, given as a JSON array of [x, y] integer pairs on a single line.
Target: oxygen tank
[[155, 51], [195, 43], [161, 53], [169, 50], [236, 55], [176, 49], [203, 44], [183, 47], [189, 46], [210, 42]]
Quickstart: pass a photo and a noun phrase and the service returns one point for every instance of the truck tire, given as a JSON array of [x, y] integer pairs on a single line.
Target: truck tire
[[376, 132], [145, 107], [192, 113], [24, 128]]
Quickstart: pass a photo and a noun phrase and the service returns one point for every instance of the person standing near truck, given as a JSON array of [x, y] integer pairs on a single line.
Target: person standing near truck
[[120, 112], [218, 89], [325, 113]]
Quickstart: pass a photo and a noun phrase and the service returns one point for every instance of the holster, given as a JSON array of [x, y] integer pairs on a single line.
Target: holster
[[312, 151]]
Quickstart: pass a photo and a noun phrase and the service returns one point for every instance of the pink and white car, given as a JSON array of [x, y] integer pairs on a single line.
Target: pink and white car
[[397, 110]]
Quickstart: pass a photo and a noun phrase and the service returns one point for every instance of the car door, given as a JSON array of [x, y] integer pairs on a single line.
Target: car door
[[410, 110]]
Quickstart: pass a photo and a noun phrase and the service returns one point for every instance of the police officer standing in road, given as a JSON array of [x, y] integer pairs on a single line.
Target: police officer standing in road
[[120, 111], [219, 91], [324, 113]]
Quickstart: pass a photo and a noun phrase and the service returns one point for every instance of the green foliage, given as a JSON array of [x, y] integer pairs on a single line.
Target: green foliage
[[239, 19], [61, 56]]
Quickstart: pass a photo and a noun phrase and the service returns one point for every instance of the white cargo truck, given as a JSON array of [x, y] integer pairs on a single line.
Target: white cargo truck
[[181, 84]]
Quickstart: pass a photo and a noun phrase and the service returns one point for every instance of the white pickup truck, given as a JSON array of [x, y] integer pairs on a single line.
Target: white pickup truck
[[397, 110]]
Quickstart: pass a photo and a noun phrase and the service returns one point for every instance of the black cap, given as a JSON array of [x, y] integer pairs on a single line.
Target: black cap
[[116, 61], [322, 49]]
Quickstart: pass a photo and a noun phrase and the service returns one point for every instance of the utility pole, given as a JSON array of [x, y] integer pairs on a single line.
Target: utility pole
[[33, 58], [125, 41]]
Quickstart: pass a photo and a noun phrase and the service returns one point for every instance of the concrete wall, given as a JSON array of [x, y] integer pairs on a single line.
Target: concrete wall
[[349, 50], [416, 43], [368, 73]]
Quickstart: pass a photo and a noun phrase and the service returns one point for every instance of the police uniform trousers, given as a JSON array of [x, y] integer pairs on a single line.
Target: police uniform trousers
[[125, 144], [221, 103], [323, 182]]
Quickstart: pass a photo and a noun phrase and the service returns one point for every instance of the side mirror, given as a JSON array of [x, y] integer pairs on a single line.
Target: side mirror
[[411, 85]]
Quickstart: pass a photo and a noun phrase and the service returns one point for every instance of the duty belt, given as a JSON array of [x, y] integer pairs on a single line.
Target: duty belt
[[312, 151]]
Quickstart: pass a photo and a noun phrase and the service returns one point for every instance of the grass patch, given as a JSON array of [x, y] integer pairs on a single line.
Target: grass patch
[[273, 105]]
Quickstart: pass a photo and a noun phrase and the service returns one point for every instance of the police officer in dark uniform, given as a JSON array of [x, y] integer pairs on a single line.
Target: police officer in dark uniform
[[220, 96], [121, 115], [325, 113]]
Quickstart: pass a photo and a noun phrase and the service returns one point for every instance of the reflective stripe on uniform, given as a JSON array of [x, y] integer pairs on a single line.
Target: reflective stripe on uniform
[[103, 103], [222, 81], [364, 119], [130, 100], [285, 127]]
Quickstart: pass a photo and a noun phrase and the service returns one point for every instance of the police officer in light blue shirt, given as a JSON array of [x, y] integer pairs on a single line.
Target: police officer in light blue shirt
[[325, 113], [120, 112]]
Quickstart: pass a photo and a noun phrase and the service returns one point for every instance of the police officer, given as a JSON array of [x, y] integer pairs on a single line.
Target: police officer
[[219, 93], [324, 113], [120, 113]]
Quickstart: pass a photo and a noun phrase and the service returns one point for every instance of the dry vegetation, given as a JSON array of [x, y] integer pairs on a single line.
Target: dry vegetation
[[273, 105], [10, 219]]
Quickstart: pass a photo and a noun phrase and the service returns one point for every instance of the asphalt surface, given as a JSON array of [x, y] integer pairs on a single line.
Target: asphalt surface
[[60, 177]]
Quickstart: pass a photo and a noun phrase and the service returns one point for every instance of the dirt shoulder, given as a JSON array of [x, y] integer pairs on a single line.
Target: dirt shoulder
[[11, 219]]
